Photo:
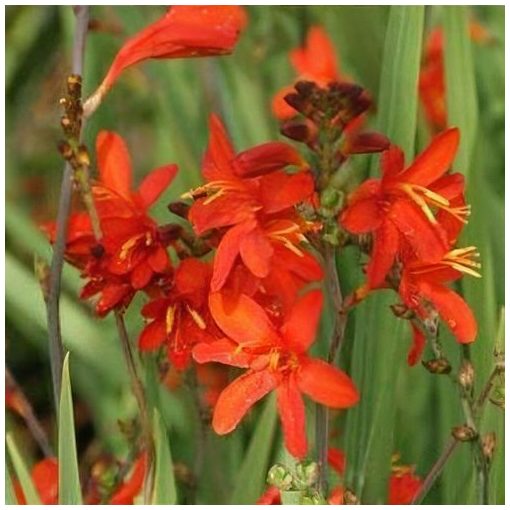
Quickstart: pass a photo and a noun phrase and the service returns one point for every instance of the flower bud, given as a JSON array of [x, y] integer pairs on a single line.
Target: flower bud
[[437, 366], [82, 156], [489, 445], [74, 85], [464, 433], [466, 375], [65, 150], [279, 476], [307, 473], [350, 498]]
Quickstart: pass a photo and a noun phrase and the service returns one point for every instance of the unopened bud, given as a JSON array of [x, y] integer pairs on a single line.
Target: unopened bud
[[307, 473], [65, 150], [65, 122], [180, 209], [297, 131], [466, 375], [489, 445], [74, 85], [437, 366], [280, 477], [330, 198], [402, 311], [464, 433], [350, 498], [82, 156]]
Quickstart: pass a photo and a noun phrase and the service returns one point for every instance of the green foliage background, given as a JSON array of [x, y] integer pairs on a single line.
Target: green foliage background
[[161, 108]]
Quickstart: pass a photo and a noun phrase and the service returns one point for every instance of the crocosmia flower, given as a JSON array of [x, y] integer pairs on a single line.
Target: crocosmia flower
[[181, 318], [129, 489], [45, 479], [276, 359], [398, 209]]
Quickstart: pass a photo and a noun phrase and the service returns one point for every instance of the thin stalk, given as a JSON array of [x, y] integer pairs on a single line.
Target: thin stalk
[[435, 471], [29, 416], [64, 208], [141, 401]]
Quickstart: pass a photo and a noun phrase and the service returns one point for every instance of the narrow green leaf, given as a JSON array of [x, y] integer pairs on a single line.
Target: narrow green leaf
[[165, 492], [251, 479], [460, 82], [68, 476], [398, 95], [22, 472], [10, 496]]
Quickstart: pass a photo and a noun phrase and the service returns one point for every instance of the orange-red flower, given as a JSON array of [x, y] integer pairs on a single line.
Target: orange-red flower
[[45, 479], [403, 485], [128, 490], [259, 211], [132, 250], [398, 209], [184, 31], [276, 359], [316, 62], [181, 318]]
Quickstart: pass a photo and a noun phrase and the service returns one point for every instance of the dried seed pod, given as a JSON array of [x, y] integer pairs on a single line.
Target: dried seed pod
[[489, 445], [350, 498], [464, 433], [437, 366], [466, 375]]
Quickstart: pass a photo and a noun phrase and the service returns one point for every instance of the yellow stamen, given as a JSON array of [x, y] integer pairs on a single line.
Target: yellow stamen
[[273, 360], [170, 318], [196, 317], [127, 246]]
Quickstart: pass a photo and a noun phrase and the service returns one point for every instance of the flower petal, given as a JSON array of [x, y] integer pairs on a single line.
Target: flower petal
[[279, 190], [217, 163], [114, 163], [435, 160], [362, 213], [454, 311], [237, 398], [256, 252], [45, 478], [227, 252], [392, 163], [152, 336], [221, 351], [158, 260], [300, 328], [326, 384], [242, 319], [155, 183], [291, 409]]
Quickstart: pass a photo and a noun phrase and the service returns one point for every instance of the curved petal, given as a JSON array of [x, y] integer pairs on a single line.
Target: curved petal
[[452, 309], [221, 351], [155, 183], [141, 275], [227, 252], [45, 478], [256, 252], [392, 163], [291, 409], [362, 213], [242, 319], [416, 349], [279, 190], [326, 384], [237, 399], [159, 260], [281, 109], [217, 162], [152, 336], [435, 160], [114, 163], [300, 328], [384, 250]]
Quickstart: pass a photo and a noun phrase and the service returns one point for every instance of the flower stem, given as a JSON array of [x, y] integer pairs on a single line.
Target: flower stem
[[64, 207], [141, 401]]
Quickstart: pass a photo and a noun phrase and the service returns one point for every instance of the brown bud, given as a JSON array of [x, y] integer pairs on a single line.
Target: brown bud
[[65, 122], [65, 150], [489, 445], [297, 131], [180, 209], [466, 375], [402, 311], [63, 102], [74, 85], [464, 433], [350, 498], [437, 366]]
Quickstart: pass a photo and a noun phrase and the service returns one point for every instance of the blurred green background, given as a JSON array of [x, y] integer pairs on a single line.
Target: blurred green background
[[161, 109]]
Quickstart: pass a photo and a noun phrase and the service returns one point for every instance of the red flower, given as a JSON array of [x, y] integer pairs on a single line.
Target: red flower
[[397, 207], [403, 485], [184, 31], [180, 319], [259, 210], [45, 479], [271, 496], [128, 490], [423, 284], [132, 251], [316, 62], [277, 359]]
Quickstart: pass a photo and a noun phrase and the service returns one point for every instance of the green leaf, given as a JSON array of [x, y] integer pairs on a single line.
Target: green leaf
[[68, 476], [10, 496], [251, 480], [165, 492], [460, 82], [398, 95], [22, 472]]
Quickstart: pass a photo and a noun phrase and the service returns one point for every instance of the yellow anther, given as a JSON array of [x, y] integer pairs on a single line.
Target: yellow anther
[[170, 318], [196, 317]]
